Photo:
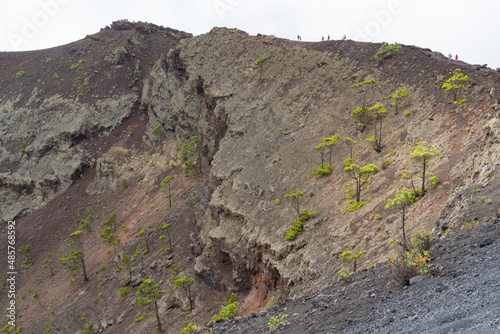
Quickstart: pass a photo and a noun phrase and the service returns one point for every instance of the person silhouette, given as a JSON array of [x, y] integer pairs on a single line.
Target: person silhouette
[[328, 37], [456, 57], [322, 38]]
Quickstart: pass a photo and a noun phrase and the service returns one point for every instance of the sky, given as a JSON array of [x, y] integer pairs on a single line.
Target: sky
[[467, 28]]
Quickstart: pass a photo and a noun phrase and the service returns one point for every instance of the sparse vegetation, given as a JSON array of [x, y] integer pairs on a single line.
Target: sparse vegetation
[[20, 74]]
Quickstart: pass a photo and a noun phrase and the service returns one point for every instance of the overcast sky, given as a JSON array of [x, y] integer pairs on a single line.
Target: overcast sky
[[470, 29]]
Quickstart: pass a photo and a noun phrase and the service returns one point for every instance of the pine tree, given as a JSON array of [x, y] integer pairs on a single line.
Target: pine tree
[[348, 256], [166, 182], [152, 294], [76, 259], [378, 113], [422, 156], [184, 284], [456, 83], [295, 197], [398, 98], [404, 198], [360, 175]]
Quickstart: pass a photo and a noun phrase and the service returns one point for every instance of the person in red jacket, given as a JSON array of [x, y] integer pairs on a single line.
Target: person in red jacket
[[456, 57]]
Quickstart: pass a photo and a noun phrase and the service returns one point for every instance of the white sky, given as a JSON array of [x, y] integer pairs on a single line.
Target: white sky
[[470, 29]]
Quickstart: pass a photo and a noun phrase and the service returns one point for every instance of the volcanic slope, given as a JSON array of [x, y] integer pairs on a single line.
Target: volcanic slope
[[93, 128]]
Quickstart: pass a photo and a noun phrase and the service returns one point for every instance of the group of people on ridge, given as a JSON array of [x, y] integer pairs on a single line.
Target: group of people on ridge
[[299, 38]]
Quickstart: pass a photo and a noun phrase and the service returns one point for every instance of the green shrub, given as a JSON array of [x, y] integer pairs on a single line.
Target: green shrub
[[345, 275], [20, 74], [322, 170], [355, 206], [140, 318], [297, 228], [422, 241], [386, 163], [405, 265], [125, 291], [229, 311], [124, 184], [191, 328], [386, 50], [24, 145], [275, 321], [434, 181], [484, 199]]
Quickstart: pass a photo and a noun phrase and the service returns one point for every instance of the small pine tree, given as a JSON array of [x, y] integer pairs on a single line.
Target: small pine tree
[[152, 293], [260, 64], [360, 175], [166, 236], [349, 256], [111, 222], [125, 263], [378, 113], [184, 284], [404, 198], [456, 83], [399, 97], [166, 182], [422, 157], [295, 197], [350, 144], [362, 115], [47, 263], [26, 250], [76, 259]]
